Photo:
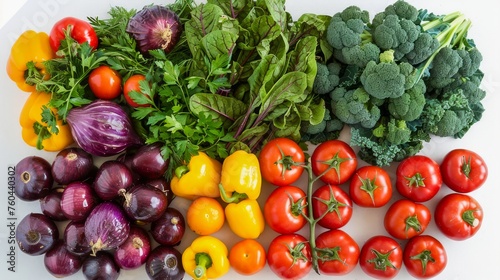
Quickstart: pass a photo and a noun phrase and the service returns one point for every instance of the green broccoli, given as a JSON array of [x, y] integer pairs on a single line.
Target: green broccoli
[[358, 55], [396, 34], [470, 87], [408, 106], [327, 77], [400, 8], [328, 129], [471, 61], [354, 106], [445, 66], [423, 48]]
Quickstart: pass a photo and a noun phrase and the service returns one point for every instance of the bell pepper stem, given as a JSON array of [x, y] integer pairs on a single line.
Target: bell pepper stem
[[203, 261], [181, 170], [234, 198]]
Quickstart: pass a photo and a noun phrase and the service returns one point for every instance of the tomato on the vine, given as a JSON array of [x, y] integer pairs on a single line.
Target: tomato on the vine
[[335, 161], [247, 257], [285, 209], [133, 85], [418, 178], [405, 219], [463, 170], [338, 254], [105, 82], [289, 256], [281, 161], [333, 205], [370, 187], [381, 257], [458, 216], [424, 256]]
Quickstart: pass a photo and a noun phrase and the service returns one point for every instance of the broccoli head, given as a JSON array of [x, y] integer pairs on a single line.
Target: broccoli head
[[423, 48], [445, 66], [400, 8], [396, 34], [327, 77], [328, 129], [471, 60], [358, 55], [354, 106], [408, 106]]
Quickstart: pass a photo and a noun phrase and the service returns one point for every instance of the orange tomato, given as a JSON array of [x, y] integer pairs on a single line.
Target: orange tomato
[[205, 215], [247, 257], [105, 82], [133, 84]]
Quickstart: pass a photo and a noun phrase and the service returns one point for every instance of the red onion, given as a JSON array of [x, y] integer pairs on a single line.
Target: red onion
[[165, 262], [71, 165], [102, 128], [163, 185], [77, 200], [106, 227], [144, 203], [155, 27], [36, 234], [51, 205], [100, 267], [112, 179], [149, 163], [60, 262], [75, 240], [135, 250], [33, 178], [169, 228]]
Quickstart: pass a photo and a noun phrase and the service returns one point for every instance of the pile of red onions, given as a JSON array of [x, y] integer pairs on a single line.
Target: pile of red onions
[[97, 219]]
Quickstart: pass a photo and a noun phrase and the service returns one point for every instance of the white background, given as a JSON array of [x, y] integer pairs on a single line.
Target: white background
[[476, 258]]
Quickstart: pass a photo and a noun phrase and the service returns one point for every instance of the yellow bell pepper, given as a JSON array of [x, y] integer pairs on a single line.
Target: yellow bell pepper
[[245, 218], [201, 177], [35, 133], [206, 258], [30, 46], [240, 177]]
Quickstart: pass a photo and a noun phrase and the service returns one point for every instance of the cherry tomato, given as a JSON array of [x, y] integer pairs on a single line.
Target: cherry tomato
[[285, 209], [205, 215], [370, 187], [458, 216], [289, 256], [342, 252], [418, 178], [332, 204], [335, 160], [424, 256], [105, 82], [381, 257], [463, 170], [281, 161], [132, 84], [247, 257], [405, 219]]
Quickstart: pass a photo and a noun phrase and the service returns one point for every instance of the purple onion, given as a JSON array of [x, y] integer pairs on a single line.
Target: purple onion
[[102, 128], [72, 164], [149, 163], [169, 228], [144, 203], [102, 266], [112, 179], [135, 250], [77, 200], [155, 27], [36, 234], [51, 205], [60, 262], [163, 185], [165, 262], [107, 227], [75, 240], [33, 178]]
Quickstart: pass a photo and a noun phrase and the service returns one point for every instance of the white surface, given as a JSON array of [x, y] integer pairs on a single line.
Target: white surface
[[476, 258]]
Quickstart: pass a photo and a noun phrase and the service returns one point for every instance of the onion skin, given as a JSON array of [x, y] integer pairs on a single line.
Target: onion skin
[[102, 128], [33, 178], [134, 251], [74, 238], [107, 227], [149, 163], [112, 179], [155, 27], [169, 228], [100, 267], [71, 165], [36, 234], [60, 262], [163, 185], [51, 205], [145, 203], [165, 262], [78, 199]]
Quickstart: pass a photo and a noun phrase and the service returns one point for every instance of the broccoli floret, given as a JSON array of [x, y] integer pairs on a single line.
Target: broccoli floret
[[396, 34], [408, 106], [358, 55], [371, 150], [327, 77], [423, 48], [394, 131], [471, 60], [400, 8], [328, 129], [445, 66], [354, 106]]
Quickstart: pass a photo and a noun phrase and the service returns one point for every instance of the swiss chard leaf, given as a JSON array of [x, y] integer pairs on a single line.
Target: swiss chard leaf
[[218, 107]]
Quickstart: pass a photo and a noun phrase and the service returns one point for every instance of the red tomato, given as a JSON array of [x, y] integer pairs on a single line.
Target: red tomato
[[381, 257], [343, 252], [285, 209], [105, 82], [405, 219], [332, 204], [458, 216], [424, 256], [335, 161], [247, 257], [289, 256], [463, 170], [81, 31], [281, 161], [370, 187], [418, 178], [132, 84]]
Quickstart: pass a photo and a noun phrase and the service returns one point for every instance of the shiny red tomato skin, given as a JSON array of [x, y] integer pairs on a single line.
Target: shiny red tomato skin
[[403, 213], [347, 249], [281, 161], [132, 84], [458, 216], [370, 179], [281, 261], [105, 82], [81, 31], [381, 257], [418, 178], [420, 245], [281, 214], [340, 213], [341, 155], [463, 170]]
